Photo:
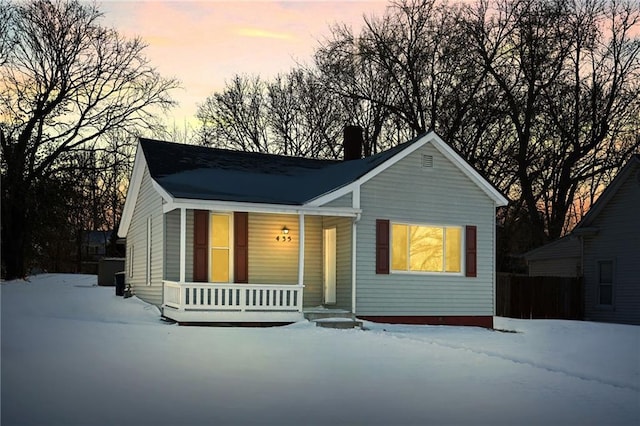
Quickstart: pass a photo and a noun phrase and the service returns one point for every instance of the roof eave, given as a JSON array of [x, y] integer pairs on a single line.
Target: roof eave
[[186, 203], [139, 165]]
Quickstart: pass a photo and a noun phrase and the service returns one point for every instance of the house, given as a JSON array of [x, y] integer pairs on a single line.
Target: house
[[94, 244], [560, 258], [604, 248], [610, 236], [407, 235]]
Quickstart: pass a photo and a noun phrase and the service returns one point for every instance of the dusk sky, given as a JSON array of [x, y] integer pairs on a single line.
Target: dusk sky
[[204, 43]]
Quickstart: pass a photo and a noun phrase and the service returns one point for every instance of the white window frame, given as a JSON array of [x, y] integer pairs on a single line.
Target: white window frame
[[600, 284], [149, 242], [444, 242], [130, 264], [231, 244]]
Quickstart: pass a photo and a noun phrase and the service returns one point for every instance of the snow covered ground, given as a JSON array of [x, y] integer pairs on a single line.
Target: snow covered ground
[[74, 353]]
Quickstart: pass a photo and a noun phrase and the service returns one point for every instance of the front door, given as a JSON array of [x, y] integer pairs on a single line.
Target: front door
[[329, 284]]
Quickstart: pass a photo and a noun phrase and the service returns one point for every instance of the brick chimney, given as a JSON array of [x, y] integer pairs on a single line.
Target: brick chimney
[[353, 142]]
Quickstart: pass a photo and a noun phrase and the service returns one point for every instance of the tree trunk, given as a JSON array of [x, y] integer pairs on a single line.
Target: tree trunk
[[15, 228]]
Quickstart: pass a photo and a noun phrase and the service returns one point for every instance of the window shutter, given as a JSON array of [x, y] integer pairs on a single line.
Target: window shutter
[[241, 247], [471, 269], [200, 245], [382, 246]]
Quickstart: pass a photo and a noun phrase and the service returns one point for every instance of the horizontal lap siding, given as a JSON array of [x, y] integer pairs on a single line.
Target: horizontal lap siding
[[344, 201], [343, 259], [312, 261], [618, 240], [561, 267], [148, 204], [442, 195], [271, 261], [172, 245]]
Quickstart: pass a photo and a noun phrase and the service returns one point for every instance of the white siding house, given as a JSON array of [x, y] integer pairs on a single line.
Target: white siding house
[[407, 235]]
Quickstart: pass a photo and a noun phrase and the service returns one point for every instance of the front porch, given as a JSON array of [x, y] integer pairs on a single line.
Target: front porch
[[233, 267], [209, 302]]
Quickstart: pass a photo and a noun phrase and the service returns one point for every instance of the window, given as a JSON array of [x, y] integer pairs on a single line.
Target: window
[[149, 250], [605, 283], [220, 249], [425, 248], [131, 261]]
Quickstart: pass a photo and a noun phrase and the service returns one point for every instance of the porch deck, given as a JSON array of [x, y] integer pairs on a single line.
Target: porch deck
[[208, 302]]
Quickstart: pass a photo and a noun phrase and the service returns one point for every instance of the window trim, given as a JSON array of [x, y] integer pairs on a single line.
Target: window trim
[[461, 273], [149, 253], [130, 253], [231, 246], [600, 305]]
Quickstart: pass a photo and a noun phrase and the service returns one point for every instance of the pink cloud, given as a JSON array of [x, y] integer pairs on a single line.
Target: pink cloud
[[205, 43]]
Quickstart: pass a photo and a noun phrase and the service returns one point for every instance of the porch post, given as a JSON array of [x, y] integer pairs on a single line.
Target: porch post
[[301, 249], [183, 244]]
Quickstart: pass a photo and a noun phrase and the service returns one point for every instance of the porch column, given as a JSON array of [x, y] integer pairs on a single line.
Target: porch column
[[183, 244], [301, 249]]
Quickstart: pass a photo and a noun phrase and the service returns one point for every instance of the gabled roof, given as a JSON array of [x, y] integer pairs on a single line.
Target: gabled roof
[[202, 173], [608, 194], [185, 174], [567, 246]]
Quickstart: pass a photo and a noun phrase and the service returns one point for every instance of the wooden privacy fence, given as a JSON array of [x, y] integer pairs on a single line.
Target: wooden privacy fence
[[520, 296]]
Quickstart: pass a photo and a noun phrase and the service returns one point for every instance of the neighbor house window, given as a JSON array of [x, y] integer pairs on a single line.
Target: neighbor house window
[[426, 248], [605, 282]]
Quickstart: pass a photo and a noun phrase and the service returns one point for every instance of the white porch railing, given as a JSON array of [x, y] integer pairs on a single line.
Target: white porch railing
[[233, 297]]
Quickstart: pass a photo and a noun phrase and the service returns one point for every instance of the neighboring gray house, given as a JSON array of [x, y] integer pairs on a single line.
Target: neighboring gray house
[[610, 235], [604, 248], [407, 235], [561, 258]]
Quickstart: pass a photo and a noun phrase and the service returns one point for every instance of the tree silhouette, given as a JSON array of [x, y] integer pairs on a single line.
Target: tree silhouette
[[66, 81]]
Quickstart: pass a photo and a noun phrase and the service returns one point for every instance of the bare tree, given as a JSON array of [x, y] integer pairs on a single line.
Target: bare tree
[[66, 82], [236, 117], [567, 75], [305, 119]]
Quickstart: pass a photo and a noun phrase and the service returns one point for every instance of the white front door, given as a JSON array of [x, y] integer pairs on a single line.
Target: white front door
[[329, 243]]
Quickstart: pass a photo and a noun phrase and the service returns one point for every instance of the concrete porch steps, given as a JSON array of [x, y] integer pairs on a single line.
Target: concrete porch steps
[[332, 318], [340, 323]]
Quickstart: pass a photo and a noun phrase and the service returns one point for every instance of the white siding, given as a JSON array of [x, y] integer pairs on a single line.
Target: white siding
[[148, 204], [618, 240], [271, 261], [172, 245], [441, 195], [312, 294], [344, 201]]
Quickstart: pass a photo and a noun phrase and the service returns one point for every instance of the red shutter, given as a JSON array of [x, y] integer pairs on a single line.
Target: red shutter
[[200, 245], [471, 262], [241, 247], [382, 246]]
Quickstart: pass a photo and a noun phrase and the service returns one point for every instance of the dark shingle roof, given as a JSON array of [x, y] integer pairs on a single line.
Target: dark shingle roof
[[197, 172]]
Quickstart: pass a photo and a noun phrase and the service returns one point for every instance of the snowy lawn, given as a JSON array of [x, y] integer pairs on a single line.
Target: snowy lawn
[[74, 353]]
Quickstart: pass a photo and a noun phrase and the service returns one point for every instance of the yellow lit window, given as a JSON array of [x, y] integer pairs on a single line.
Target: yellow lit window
[[219, 245], [421, 248]]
